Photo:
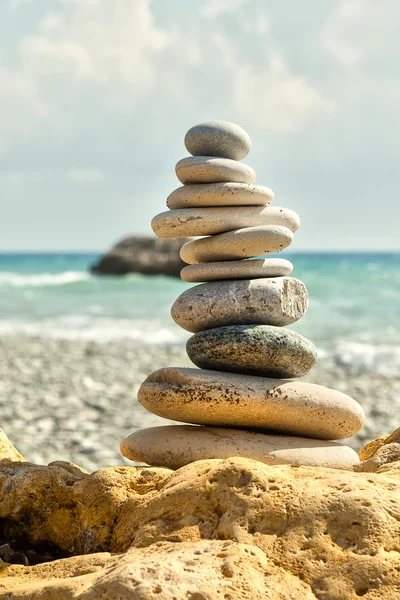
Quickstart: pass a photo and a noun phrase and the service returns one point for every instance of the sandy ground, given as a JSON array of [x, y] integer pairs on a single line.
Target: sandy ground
[[75, 400]]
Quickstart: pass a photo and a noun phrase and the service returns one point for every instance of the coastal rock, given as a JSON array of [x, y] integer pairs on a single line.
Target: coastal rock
[[237, 269], [212, 569], [275, 301], [64, 507], [175, 446], [226, 399], [219, 194], [261, 350], [191, 222], [242, 243], [218, 138], [141, 254], [279, 532], [209, 169], [380, 452], [7, 450]]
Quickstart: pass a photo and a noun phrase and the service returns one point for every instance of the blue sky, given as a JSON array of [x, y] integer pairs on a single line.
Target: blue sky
[[96, 96]]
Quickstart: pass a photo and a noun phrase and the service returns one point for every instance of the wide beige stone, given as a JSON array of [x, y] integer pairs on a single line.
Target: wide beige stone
[[210, 169], [219, 194], [193, 222], [271, 301], [241, 243], [220, 399], [237, 269], [275, 532], [174, 446]]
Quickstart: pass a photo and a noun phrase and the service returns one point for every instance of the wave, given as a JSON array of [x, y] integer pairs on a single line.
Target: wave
[[363, 357], [92, 328], [42, 279], [354, 356]]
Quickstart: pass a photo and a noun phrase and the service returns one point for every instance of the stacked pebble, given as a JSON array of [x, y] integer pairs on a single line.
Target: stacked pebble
[[242, 394]]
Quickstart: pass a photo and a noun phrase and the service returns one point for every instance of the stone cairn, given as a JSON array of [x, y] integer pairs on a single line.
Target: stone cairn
[[242, 400]]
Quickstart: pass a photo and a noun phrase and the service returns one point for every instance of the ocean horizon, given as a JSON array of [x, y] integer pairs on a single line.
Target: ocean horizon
[[353, 317]]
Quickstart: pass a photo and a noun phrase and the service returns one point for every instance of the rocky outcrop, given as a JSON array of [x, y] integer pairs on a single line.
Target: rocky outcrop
[[204, 570], [141, 254], [231, 528], [7, 450]]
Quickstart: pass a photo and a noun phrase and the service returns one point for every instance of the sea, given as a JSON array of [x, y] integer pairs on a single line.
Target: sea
[[353, 316]]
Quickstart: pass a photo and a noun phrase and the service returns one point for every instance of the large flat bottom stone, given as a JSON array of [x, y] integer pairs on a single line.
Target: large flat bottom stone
[[178, 445]]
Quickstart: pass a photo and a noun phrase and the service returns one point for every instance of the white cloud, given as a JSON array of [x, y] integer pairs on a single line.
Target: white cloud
[[85, 175], [100, 92], [96, 41], [215, 8], [277, 100]]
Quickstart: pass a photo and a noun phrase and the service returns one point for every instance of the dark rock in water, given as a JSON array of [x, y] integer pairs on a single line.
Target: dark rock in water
[[142, 254]]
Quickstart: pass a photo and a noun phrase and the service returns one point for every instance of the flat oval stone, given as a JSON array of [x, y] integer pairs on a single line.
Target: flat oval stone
[[218, 138], [229, 400], [262, 350], [275, 301], [237, 269], [219, 194], [178, 445], [192, 222], [209, 169], [241, 243]]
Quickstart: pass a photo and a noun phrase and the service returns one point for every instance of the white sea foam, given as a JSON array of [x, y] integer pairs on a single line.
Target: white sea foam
[[379, 358], [84, 327], [42, 279]]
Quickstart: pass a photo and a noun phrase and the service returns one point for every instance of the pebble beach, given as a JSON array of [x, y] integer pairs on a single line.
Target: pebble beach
[[75, 400]]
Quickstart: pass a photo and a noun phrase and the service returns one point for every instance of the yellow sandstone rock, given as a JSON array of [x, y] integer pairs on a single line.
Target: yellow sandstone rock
[[7, 450], [379, 452], [227, 529], [192, 570]]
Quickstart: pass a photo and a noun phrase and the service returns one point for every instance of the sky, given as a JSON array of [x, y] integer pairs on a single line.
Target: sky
[[96, 97]]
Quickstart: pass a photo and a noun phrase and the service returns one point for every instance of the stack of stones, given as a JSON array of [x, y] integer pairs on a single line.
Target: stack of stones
[[243, 394]]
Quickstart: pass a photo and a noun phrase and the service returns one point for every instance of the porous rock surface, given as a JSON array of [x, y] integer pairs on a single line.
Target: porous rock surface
[[192, 570], [214, 529], [7, 450]]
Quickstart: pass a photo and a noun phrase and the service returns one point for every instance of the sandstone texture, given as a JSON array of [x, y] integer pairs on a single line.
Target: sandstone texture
[[208, 169], [228, 399], [166, 571], [142, 254], [272, 301], [220, 194], [237, 269], [241, 243], [191, 222], [261, 350], [218, 138], [7, 450], [214, 529], [380, 452]]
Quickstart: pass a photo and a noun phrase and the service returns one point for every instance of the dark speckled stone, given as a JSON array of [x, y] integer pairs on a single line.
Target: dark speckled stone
[[261, 350]]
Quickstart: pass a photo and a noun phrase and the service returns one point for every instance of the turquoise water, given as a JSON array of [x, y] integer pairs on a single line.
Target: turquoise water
[[353, 318]]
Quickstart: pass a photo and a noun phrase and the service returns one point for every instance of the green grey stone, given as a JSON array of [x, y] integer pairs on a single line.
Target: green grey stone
[[262, 350]]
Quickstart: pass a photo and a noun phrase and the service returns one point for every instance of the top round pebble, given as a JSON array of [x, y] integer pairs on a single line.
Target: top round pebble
[[218, 138]]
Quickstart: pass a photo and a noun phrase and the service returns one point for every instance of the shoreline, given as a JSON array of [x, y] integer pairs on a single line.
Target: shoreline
[[74, 400]]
